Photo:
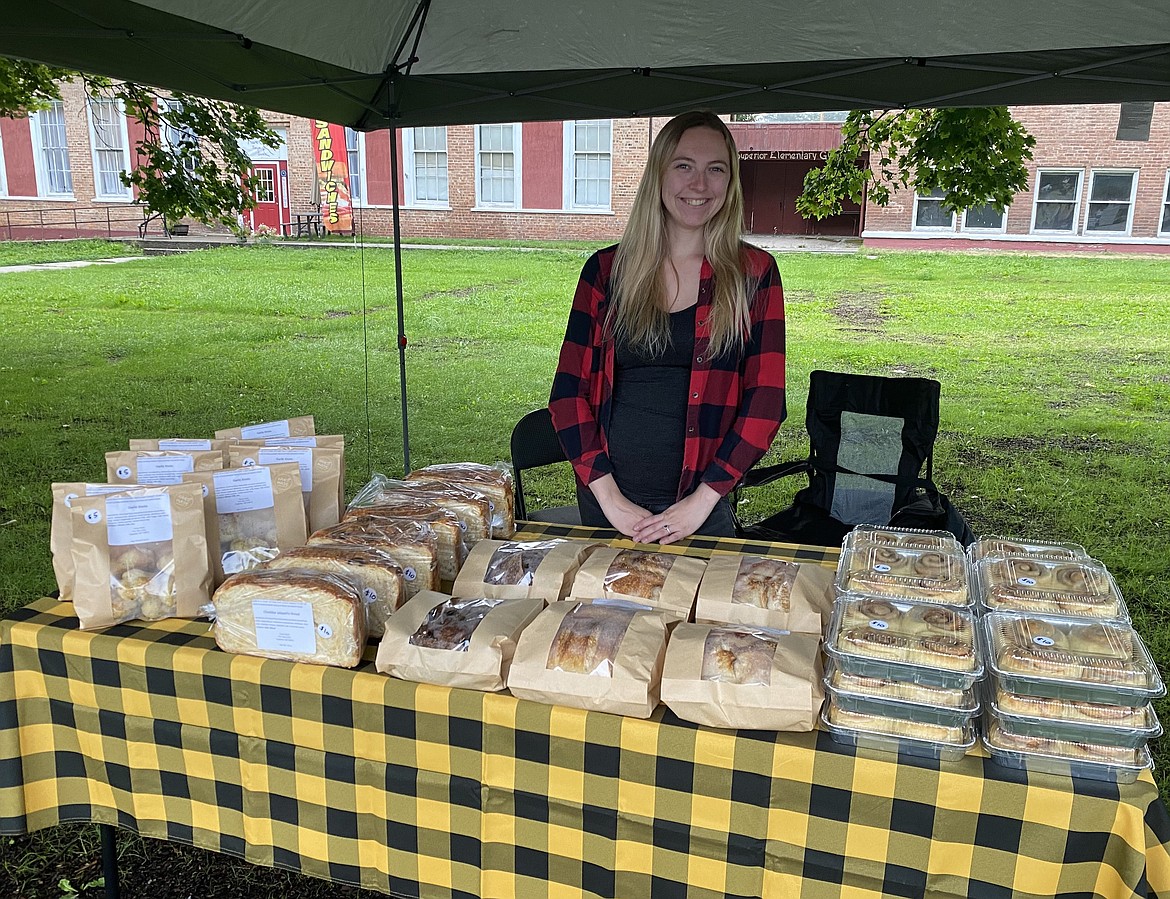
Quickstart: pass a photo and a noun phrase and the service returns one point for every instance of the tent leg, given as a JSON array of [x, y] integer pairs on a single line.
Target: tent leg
[[398, 290], [110, 860]]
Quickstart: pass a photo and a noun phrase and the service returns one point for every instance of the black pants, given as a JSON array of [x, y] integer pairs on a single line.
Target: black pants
[[719, 523]]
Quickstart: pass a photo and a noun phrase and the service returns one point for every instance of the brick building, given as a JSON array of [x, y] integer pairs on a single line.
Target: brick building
[[576, 180]]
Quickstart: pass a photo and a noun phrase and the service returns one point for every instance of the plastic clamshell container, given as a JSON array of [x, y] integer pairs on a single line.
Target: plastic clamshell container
[[1081, 588], [904, 570], [994, 545], [1061, 757], [1070, 658], [918, 642], [908, 537], [922, 712], [1061, 719], [965, 702], [893, 743]]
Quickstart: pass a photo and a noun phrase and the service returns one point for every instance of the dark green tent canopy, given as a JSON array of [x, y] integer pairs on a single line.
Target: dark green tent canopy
[[373, 63]]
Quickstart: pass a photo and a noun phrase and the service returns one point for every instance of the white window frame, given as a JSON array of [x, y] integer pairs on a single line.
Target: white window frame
[[1132, 197], [166, 131], [569, 178], [976, 229], [517, 169], [39, 167], [408, 171], [937, 229], [124, 194], [1164, 208], [1036, 201], [357, 198]]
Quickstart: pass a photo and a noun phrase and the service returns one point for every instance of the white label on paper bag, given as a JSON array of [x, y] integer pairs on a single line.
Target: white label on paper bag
[[164, 469], [123, 472], [878, 625], [268, 429], [94, 490], [243, 490], [284, 626], [184, 443], [138, 519], [303, 457], [291, 441]]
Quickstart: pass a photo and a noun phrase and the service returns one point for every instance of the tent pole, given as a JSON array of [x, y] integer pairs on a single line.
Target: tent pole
[[394, 198]]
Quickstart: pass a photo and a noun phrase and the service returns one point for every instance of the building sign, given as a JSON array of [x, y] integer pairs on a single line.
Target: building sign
[[785, 155]]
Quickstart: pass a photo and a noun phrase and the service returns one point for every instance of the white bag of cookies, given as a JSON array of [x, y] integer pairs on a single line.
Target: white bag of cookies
[[61, 527], [522, 569], [141, 553], [665, 581], [763, 592], [603, 656], [468, 642], [251, 514], [145, 467], [300, 426], [321, 475], [743, 677], [293, 614]]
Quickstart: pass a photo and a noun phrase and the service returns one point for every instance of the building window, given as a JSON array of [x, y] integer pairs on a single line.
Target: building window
[[931, 213], [1165, 227], [1110, 202], [180, 139], [353, 150], [497, 165], [587, 179], [111, 154], [1057, 201], [54, 177], [265, 189], [426, 148], [984, 218]]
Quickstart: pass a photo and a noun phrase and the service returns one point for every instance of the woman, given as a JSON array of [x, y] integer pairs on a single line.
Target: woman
[[670, 384]]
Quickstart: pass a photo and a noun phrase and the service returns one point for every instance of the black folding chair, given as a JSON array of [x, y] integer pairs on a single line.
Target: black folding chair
[[534, 445], [871, 461]]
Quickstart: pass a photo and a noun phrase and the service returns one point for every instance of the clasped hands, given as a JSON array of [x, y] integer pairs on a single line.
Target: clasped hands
[[679, 520]]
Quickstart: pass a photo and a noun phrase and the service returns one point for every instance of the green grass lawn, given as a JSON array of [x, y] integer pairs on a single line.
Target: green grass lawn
[[37, 251], [1055, 376]]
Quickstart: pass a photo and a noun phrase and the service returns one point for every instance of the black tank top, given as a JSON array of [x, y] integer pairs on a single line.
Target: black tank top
[[647, 425]]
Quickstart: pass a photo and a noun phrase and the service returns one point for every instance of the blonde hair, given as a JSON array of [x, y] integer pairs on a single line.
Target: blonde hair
[[638, 312]]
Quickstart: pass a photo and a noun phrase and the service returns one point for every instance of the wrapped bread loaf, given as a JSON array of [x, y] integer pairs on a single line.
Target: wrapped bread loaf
[[294, 614], [522, 569], [452, 548], [495, 481], [455, 642], [374, 572], [471, 507], [412, 544]]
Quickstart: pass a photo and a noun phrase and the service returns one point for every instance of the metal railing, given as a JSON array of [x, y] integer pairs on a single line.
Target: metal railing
[[48, 223]]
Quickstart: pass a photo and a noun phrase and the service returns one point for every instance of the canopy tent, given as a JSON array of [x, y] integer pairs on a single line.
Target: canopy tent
[[372, 64]]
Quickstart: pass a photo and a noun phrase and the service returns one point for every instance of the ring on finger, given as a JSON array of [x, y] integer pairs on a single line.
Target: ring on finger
[[666, 527]]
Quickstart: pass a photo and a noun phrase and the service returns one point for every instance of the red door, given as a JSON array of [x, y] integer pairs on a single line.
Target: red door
[[271, 195]]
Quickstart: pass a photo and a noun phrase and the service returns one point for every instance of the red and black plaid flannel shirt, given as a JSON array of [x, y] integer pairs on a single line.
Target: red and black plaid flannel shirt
[[736, 401]]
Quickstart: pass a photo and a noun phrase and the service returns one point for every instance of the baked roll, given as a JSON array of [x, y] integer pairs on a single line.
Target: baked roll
[[900, 691], [637, 573], [1121, 716], [904, 572], [998, 737], [1078, 587], [450, 624], [765, 583], [734, 656], [897, 727], [588, 638]]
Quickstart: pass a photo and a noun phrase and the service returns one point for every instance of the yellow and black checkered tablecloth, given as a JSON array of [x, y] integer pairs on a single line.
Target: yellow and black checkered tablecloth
[[424, 791]]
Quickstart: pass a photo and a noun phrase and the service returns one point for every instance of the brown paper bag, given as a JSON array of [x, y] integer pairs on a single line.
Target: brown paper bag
[[334, 440], [743, 677], [602, 656], [251, 514], [141, 553], [61, 527], [147, 468], [320, 475], [528, 569], [663, 580], [181, 444], [467, 643], [301, 426], [787, 596]]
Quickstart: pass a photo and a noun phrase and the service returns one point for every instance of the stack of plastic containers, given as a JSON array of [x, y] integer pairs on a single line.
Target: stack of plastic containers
[[1071, 682], [903, 655]]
